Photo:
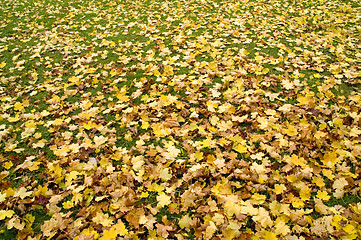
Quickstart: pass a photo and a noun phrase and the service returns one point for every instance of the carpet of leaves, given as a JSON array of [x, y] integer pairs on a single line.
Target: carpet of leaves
[[180, 119]]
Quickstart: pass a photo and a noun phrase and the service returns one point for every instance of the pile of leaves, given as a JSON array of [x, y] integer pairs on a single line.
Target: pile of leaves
[[180, 119]]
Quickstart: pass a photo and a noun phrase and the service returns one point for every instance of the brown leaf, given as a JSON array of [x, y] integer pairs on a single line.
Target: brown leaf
[[133, 216]]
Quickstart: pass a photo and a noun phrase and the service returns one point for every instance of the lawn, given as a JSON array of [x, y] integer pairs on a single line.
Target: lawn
[[180, 119]]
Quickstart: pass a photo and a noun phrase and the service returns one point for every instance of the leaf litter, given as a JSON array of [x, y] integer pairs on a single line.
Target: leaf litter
[[180, 119]]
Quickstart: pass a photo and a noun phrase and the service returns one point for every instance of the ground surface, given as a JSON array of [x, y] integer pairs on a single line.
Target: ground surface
[[180, 119]]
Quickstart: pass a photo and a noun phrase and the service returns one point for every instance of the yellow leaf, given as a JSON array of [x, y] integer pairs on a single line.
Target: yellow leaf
[[323, 195], [198, 156], [318, 181], [14, 119], [29, 219], [2, 65], [58, 122], [145, 125], [62, 152], [206, 143], [109, 234], [269, 236], [295, 160], [120, 229], [298, 203], [320, 207], [8, 165], [6, 214], [330, 159], [302, 100], [68, 204], [240, 148], [281, 228], [74, 80], [163, 200], [184, 222], [164, 174], [338, 122], [99, 140], [89, 125], [144, 195], [103, 219], [279, 188], [22, 193], [232, 208], [350, 229], [328, 173], [18, 107], [291, 131], [258, 198], [41, 190]]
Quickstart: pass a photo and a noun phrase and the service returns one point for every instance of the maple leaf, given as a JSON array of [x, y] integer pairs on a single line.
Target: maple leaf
[[240, 148], [103, 219], [164, 174], [15, 222], [6, 214], [134, 216], [232, 208], [330, 159], [22, 193], [281, 228], [109, 234], [163, 200], [320, 207], [99, 140], [185, 221]]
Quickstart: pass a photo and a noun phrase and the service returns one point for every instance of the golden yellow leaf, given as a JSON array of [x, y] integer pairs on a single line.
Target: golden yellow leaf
[[279, 188], [8, 165], [240, 148], [120, 229], [323, 195], [18, 107], [109, 234], [6, 214]]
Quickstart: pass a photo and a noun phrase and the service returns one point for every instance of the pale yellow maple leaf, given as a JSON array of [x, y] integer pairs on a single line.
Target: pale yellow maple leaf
[[22, 193], [321, 207], [263, 218], [103, 219], [164, 174], [163, 200], [99, 140], [185, 221], [15, 222], [232, 208], [281, 228]]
